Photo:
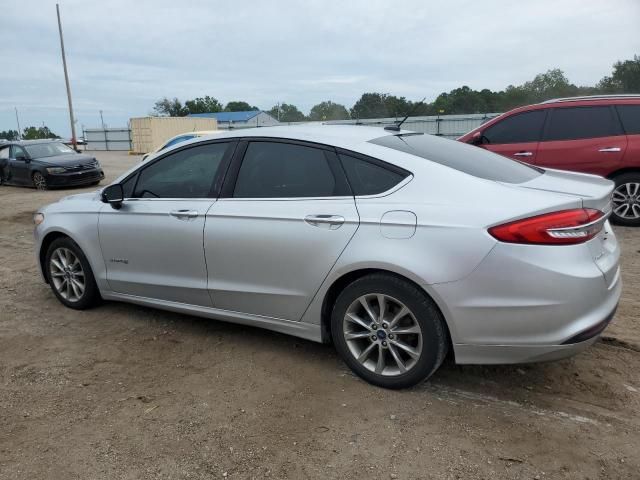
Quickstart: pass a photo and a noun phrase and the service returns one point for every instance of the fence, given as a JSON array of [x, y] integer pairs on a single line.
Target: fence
[[107, 138], [450, 126]]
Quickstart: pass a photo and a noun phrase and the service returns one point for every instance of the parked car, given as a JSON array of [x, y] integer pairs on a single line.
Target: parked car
[[396, 247], [597, 134], [183, 137], [45, 164]]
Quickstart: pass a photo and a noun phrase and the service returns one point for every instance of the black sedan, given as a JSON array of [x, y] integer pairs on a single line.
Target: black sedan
[[46, 164]]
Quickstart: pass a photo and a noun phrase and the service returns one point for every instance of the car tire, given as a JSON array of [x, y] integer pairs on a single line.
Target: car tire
[[417, 341], [39, 182], [70, 275], [626, 200]]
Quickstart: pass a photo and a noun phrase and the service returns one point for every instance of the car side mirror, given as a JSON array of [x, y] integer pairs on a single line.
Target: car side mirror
[[22, 157], [477, 139], [113, 195]]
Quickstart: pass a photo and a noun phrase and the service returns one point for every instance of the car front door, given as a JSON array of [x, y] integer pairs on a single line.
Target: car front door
[[583, 139], [285, 216], [153, 244], [515, 136], [19, 171]]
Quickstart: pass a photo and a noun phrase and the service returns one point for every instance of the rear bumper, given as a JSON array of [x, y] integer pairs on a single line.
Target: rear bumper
[[528, 304], [76, 178], [509, 354]]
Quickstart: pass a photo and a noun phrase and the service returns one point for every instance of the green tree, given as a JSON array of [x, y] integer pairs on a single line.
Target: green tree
[[169, 108], [36, 133], [239, 106], [625, 78], [9, 135], [288, 113], [328, 111], [370, 105], [205, 104]]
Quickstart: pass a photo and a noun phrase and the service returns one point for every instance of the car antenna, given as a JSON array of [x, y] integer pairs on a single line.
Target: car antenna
[[396, 127]]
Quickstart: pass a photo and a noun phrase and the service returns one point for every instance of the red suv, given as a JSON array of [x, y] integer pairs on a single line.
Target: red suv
[[598, 135]]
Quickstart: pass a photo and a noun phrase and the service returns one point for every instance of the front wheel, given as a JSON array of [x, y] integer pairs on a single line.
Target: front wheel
[[626, 200], [388, 331], [70, 275], [39, 181]]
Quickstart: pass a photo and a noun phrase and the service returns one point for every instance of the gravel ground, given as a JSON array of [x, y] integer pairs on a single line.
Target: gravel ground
[[125, 392]]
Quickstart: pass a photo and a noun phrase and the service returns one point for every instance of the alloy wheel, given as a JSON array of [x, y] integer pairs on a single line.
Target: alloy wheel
[[39, 181], [67, 275], [382, 334], [626, 201]]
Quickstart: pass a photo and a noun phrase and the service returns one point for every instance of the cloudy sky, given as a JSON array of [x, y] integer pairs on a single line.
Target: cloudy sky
[[123, 55]]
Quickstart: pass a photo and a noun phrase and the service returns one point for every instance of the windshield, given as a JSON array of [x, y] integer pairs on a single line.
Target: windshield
[[41, 150], [465, 158]]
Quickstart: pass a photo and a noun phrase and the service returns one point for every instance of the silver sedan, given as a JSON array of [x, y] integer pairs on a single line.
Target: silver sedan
[[397, 247]]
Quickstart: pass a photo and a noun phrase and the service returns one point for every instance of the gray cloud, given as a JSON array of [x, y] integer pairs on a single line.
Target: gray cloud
[[124, 55]]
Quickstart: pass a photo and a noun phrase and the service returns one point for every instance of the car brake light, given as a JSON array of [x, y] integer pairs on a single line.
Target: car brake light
[[566, 227]]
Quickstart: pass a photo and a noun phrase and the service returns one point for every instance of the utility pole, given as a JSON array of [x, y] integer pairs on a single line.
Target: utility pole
[[18, 122], [104, 131], [66, 79]]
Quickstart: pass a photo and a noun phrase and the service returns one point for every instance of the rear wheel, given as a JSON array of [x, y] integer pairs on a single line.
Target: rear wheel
[[70, 275], [626, 200], [39, 181], [388, 331]]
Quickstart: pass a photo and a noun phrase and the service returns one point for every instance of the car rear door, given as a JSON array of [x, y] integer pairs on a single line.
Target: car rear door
[[586, 139], [285, 217], [153, 244], [516, 136]]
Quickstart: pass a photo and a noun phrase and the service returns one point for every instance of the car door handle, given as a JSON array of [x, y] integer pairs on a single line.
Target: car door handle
[[523, 154], [610, 149], [332, 222], [183, 214]]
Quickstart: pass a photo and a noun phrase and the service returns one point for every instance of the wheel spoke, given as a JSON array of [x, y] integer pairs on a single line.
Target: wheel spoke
[[356, 335], [635, 208], [57, 264], [57, 274], [366, 352], [367, 308], [382, 304], [380, 363], [61, 259], [68, 289], [403, 311], [357, 320], [406, 330], [618, 209], [78, 284], [396, 356], [621, 196], [410, 350]]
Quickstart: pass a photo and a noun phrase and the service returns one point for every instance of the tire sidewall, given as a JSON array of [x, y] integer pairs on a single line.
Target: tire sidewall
[[621, 180], [429, 318], [91, 293]]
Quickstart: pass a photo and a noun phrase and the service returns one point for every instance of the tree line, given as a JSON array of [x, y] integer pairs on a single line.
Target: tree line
[[624, 78], [29, 133]]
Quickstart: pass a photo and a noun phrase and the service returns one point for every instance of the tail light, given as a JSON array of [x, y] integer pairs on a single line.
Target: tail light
[[566, 227]]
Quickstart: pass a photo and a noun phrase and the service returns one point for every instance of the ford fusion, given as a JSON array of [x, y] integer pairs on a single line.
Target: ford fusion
[[396, 247], [44, 164]]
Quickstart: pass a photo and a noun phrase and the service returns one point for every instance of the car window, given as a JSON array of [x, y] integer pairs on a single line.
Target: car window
[[462, 157], [519, 128], [128, 184], [575, 123], [17, 151], [630, 116], [182, 138], [278, 170], [368, 178], [51, 149], [4, 153], [187, 173]]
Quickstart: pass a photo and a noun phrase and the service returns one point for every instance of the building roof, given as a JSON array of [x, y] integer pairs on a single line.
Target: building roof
[[229, 116]]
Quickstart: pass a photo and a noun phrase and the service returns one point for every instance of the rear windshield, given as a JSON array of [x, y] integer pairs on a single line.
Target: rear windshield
[[460, 156]]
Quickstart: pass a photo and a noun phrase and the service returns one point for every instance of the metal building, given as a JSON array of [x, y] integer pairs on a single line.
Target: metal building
[[248, 119]]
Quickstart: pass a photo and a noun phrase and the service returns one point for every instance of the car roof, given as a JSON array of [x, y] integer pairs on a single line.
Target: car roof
[[35, 142], [344, 136]]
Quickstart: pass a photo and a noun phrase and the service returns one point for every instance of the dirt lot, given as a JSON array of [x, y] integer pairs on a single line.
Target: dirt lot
[[124, 392]]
